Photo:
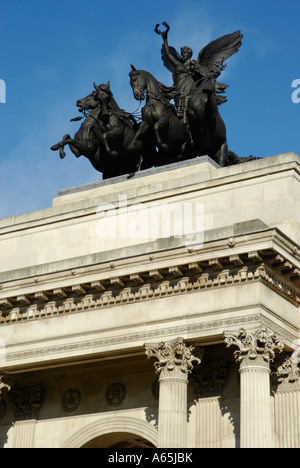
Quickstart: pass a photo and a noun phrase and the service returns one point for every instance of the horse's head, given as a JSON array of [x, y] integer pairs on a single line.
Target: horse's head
[[138, 83], [88, 103], [103, 93]]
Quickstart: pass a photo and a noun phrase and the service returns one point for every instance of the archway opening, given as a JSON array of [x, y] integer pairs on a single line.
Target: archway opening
[[119, 440]]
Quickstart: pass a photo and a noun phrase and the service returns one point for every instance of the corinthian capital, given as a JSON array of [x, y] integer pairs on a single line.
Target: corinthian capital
[[287, 373], [175, 359], [5, 382], [255, 346]]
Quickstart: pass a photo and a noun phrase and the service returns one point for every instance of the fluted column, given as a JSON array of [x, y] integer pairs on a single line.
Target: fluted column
[[287, 403], [210, 379], [256, 351], [175, 362], [24, 434], [209, 423]]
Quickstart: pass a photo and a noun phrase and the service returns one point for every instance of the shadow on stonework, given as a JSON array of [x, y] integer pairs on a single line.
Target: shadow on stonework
[[5, 422], [215, 382], [230, 409], [151, 415], [4, 435], [151, 412]]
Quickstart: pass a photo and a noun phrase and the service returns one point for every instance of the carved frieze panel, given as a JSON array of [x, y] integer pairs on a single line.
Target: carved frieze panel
[[115, 394], [71, 400]]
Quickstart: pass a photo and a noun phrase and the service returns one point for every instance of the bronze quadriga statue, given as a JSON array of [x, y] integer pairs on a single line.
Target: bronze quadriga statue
[[177, 122]]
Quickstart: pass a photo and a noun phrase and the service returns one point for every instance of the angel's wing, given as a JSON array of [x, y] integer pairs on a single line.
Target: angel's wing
[[213, 56], [167, 62]]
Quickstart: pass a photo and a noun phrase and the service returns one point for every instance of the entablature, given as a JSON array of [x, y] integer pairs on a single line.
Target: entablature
[[266, 256]]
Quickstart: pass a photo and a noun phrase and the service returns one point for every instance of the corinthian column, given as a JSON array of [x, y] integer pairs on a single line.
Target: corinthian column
[[256, 351], [175, 362]]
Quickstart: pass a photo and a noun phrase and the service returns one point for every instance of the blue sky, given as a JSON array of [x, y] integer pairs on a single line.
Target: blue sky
[[52, 51]]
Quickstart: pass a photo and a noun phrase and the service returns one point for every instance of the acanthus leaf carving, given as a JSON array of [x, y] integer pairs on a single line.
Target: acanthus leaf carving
[[174, 358], [286, 373], [254, 345]]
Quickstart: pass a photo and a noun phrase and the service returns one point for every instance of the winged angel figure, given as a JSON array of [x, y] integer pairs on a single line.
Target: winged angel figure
[[201, 74], [198, 93]]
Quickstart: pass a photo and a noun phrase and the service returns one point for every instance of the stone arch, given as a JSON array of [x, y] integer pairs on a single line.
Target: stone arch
[[112, 425]]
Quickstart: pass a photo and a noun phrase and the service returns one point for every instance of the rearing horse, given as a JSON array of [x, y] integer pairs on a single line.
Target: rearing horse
[[104, 135], [158, 116]]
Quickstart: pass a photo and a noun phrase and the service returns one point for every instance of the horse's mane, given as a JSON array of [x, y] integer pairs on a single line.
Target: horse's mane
[[113, 103], [168, 92]]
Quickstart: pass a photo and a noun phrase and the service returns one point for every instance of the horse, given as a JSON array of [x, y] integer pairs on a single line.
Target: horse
[[204, 132], [119, 131], [84, 143], [207, 128], [158, 116], [101, 137]]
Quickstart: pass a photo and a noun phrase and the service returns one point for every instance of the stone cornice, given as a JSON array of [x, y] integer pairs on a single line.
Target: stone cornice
[[242, 237], [267, 266]]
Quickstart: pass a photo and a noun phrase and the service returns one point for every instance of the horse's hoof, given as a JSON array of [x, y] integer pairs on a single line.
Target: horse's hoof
[[62, 154], [55, 147]]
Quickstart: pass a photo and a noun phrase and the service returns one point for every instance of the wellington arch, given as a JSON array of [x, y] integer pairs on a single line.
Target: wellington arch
[[174, 341]]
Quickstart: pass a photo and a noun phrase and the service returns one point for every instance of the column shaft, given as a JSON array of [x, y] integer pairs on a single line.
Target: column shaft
[[256, 349], [172, 414], [209, 423], [24, 434], [256, 415], [287, 419]]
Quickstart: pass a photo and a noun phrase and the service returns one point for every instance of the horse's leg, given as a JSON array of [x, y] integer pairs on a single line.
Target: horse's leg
[[141, 159], [60, 145], [161, 124], [222, 154], [143, 128], [76, 147], [115, 134], [102, 137], [161, 117]]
